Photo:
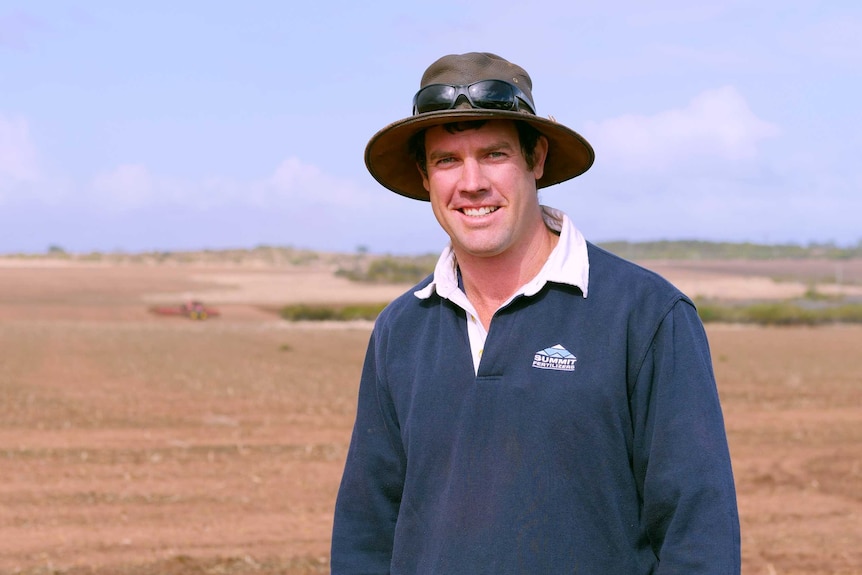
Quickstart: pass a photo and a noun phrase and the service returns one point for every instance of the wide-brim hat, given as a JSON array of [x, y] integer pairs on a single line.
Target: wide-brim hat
[[391, 162]]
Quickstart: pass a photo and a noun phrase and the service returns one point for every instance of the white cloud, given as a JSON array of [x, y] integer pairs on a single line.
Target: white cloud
[[716, 129], [294, 180], [292, 183], [127, 186], [293, 175], [17, 153]]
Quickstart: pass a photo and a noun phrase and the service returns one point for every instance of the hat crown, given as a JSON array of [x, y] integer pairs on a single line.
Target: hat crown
[[465, 69]]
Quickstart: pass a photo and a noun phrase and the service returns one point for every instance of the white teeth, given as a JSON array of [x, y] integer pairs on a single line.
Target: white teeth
[[479, 211]]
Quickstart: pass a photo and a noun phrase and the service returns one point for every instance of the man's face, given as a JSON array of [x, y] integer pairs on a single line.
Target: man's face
[[482, 192]]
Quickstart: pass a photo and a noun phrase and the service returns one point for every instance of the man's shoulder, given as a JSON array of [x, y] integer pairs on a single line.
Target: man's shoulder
[[613, 271], [406, 303], [618, 283]]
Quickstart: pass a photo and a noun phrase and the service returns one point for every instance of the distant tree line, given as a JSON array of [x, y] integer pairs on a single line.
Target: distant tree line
[[702, 250], [366, 266]]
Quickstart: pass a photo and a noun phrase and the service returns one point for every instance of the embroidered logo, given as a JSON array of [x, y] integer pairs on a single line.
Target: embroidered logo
[[557, 357]]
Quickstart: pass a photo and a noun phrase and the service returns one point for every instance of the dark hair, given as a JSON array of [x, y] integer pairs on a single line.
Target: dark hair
[[528, 136]]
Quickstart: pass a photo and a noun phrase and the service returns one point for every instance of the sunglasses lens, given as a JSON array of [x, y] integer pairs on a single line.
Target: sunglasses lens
[[487, 94], [435, 97], [492, 94]]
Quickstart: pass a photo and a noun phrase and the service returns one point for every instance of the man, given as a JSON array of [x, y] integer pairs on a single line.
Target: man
[[538, 405]]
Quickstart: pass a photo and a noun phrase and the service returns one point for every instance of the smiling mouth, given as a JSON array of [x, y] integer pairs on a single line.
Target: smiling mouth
[[477, 212]]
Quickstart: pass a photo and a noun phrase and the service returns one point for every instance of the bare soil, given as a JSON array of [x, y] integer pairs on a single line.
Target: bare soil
[[137, 444], [734, 280]]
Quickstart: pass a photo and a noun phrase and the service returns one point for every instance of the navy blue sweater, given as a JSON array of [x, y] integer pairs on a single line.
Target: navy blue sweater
[[608, 458]]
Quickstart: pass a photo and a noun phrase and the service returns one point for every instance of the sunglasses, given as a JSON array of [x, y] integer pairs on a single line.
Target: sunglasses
[[487, 94]]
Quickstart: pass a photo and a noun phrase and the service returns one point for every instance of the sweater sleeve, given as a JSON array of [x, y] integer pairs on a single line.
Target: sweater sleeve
[[370, 493], [681, 458]]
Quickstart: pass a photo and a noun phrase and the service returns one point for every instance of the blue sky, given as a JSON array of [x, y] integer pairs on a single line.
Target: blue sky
[[186, 125]]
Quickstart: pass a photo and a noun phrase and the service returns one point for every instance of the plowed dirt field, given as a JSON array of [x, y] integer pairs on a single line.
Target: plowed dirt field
[[137, 444]]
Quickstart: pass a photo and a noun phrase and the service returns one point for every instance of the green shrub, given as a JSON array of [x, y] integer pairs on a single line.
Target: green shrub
[[847, 313], [391, 270], [332, 312], [779, 313], [718, 314], [813, 294]]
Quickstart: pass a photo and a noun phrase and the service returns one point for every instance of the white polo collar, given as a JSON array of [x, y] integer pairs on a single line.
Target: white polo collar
[[567, 264]]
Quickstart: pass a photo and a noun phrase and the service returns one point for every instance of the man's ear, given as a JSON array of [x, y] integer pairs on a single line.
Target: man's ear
[[540, 154]]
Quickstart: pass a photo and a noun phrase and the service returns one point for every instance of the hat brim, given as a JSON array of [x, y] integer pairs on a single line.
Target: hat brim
[[390, 162]]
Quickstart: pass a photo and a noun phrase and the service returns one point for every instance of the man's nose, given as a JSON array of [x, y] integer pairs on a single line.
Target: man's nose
[[473, 178]]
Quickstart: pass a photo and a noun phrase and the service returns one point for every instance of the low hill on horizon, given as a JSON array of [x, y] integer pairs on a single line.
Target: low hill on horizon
[[289, 255], [705, 250]]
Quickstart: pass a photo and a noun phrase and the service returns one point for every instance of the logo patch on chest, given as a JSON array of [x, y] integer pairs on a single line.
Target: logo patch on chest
[[556, 357]]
